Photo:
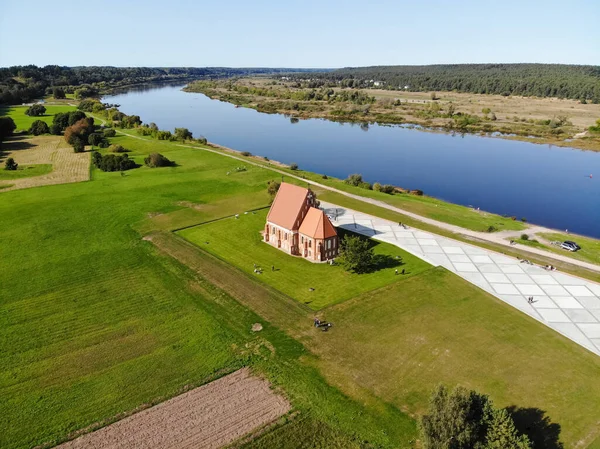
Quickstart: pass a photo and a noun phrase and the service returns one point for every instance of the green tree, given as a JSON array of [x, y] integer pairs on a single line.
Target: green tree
[[502, 433], [273, 188], [7, 127], [354, 179], [183, 134], [10, 164], [35, 110], [58, 93], [454, 420], [293, 166], [95, 139], [356, 254], [39, 127]]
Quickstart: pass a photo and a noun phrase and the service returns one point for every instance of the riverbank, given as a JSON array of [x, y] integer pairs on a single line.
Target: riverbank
[[536, 120]]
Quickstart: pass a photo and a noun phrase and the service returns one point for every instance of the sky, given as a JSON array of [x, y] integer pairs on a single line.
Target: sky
[[308, 33]]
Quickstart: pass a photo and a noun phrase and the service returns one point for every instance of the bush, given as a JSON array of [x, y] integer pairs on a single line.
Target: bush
[[35, 110], [377, 187], [354, 179], [183, 134], [7, 127], [324, 177], [273, 188], [95, 139], [78, 145], [55, 129], [113, 162], [164, 135], [293, 166], [39, 127], [10, 164], [492, 228], [58, 93], [524, 237], [117, 149], [365, 185], [524, 220], [246, 153], [109, 132], [158, 160]]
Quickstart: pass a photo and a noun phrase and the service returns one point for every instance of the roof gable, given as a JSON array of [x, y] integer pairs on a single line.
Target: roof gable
[[287, 205], [317, 225]]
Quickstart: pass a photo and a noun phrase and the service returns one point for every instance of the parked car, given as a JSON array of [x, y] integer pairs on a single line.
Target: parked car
[[569, 242], [570, 246]]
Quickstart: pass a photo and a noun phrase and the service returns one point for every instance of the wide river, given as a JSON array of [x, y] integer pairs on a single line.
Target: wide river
[[548, 185]]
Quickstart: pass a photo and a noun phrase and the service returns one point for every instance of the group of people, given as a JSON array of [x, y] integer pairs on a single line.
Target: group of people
[[530, 299], [324, 325], [550, 268]]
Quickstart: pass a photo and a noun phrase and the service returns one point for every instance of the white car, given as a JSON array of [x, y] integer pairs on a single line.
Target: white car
[[569, 246]]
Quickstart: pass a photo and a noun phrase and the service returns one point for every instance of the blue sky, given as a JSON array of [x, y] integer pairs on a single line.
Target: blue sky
[[308, 33]]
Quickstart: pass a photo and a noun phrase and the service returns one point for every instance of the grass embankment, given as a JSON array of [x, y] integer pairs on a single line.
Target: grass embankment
[[95, 323], [239, 242], [589, 252], [538, 120], [24, 122], [26, 171]]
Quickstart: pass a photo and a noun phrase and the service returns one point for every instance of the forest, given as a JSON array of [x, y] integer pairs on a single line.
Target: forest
[[578, 82], [22, 84]]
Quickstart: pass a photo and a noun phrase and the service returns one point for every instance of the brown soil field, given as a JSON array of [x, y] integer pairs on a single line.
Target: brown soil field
[[67, 166], [210, 416]]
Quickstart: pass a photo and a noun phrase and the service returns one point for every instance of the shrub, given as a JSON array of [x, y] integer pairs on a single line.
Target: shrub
[[78, 145], [58, 93], [183, 134], [35, 110], [117, 149], [7, 127], [388, 188], [164, 135], [109, 132], [324, 177], [157, 160], [524, 237], [492, 228], [293, 166], [95, 139], [113, 162], [365, 185], [202, 140], [354, 179], [273, 188], [39, 127], [524, 220], [246, 153], [55, 129], [377, 187], [10, 164]]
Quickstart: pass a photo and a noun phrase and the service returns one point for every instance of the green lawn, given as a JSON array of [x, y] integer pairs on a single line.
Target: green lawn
[[24, 122], [239, 242], [400, 341], [590, 248], [25, 171], [94, 322]]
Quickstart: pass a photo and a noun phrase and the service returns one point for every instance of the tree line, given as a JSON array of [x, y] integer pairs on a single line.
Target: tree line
[[22, 84], [580, 82]]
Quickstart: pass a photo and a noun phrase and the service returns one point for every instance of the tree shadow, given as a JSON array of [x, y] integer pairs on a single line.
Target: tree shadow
[[14, 144], [534, 423]]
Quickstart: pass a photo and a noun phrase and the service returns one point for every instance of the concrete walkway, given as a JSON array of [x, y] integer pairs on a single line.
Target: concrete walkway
[[565, 303]]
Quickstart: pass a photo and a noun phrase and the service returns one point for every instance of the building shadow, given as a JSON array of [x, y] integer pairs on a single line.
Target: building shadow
[[533, 422]]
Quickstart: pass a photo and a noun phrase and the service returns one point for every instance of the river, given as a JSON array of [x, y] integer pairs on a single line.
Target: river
[[548, 185]]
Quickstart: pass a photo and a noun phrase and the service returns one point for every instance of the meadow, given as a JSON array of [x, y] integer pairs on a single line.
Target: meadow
[[25, 171], [96, 321], [24, 122]]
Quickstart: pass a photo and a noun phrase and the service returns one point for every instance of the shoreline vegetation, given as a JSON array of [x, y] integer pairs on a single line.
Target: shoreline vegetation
[[552, 121]]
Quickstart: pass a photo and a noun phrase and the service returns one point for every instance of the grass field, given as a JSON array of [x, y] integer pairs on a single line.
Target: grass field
[[239, 242], [400, 341], [94, 323], [24, 122], [25, 171]]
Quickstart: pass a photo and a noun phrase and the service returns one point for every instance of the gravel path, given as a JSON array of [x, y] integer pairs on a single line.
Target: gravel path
[[210, 416]]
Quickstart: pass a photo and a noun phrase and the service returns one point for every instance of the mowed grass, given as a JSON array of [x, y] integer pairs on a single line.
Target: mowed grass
[[24, 122], [25, 171], [402, 340], [94, 322], [239, 242]]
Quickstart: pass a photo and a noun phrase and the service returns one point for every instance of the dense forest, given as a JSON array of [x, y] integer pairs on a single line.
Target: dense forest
[[542, 80], [22, 84]]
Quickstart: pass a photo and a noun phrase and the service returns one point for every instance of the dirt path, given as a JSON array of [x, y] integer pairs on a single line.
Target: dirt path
[[67, 166], [210, 416]]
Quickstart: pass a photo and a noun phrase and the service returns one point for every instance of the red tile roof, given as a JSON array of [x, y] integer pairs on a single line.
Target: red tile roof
[[317, 225], [286, 206]]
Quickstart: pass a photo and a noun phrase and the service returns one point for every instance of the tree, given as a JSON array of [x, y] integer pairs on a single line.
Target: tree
[[35, 110], [273, 188], [7, 127], [356, 254], [95, 139], [454, 420], [39, 127], [117, 149], [109, 132], [354, 179], [157, 160], [183, 134], [293, 166], [78, 145], [58, 93], [501, 431], [77, 134], [10, 164]]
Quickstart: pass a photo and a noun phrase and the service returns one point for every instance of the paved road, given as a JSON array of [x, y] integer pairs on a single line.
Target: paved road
[[565, 303]]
